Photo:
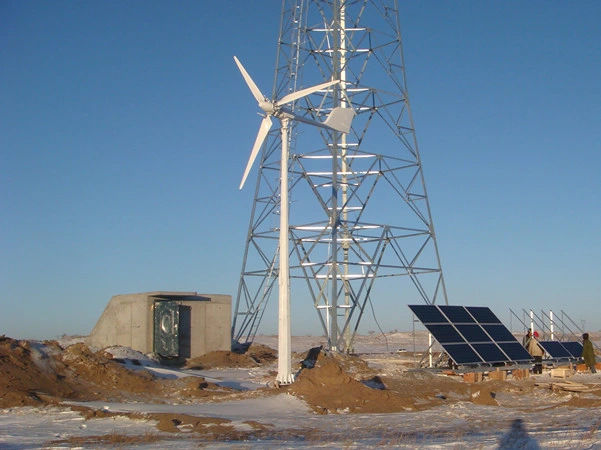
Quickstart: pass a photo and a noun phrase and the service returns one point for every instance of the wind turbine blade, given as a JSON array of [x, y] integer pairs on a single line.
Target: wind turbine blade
[[263, 130], [304, 92], [249, 81]]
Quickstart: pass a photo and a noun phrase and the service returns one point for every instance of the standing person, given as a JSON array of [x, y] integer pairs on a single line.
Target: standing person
[[537, 353], [588, 353], [526, 339]]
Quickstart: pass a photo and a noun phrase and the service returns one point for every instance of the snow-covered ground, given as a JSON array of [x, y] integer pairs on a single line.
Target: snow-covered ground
[[460, 426], [519, 421]]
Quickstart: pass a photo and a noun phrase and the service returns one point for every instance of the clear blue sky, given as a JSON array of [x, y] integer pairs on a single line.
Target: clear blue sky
[[125, 128]]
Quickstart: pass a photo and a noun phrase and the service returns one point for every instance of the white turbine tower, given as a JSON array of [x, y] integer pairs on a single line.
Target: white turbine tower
[[338, 120]]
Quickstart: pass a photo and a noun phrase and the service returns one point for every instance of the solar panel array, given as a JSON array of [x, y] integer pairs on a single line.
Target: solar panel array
[[562, 350], [471, 335]]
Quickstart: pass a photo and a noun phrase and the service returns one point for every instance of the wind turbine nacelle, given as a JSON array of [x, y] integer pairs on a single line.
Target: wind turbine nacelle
[[267, 106]]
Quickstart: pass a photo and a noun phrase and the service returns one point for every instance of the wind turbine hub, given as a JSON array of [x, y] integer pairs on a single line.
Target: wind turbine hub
[[268, 107]]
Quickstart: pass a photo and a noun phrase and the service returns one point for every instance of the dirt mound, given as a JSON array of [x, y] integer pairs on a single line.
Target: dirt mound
[[207, 429], [40, 373], [35, 373], [482, 394], [337, 383], [256, 355], [26, 383], [262, 353], [328, 388], [220, 359]]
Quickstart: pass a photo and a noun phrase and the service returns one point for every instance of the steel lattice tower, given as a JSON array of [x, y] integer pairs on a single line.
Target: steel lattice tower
[[359, 213]]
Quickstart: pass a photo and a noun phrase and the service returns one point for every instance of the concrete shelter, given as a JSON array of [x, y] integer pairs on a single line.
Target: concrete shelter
[[175, 325]]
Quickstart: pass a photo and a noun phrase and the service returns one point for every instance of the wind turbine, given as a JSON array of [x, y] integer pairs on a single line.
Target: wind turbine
[[338, 120]]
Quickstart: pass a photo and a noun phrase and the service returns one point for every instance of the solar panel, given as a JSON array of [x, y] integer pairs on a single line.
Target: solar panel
[[574, 348], [562, 350], [456, 314], [515, 351], [555, 349], [428, 314], [471, 335], [483, 314], [462, 354], [499, 333], [445, 334], [490, 353]]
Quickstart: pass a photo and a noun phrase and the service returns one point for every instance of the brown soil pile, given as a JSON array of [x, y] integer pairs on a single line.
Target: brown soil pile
[[34, 373], [328, 388], [25, 383], [41, 373], [482, 394], [220, 359], [336, 383], [256, 355], [206, 429]]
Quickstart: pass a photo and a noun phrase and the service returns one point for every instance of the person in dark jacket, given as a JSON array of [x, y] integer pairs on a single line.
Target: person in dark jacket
[[588, 353]]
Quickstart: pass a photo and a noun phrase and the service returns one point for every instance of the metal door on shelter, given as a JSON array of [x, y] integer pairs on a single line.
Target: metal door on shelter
[[166, 328]]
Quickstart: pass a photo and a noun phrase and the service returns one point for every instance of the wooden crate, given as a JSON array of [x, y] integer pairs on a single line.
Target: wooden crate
[[584, 368], [520, 374], [472, 377], [561, 373], [498, 375]]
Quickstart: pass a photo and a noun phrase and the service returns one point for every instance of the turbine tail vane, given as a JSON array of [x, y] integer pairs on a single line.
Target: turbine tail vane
[[340, 119]]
